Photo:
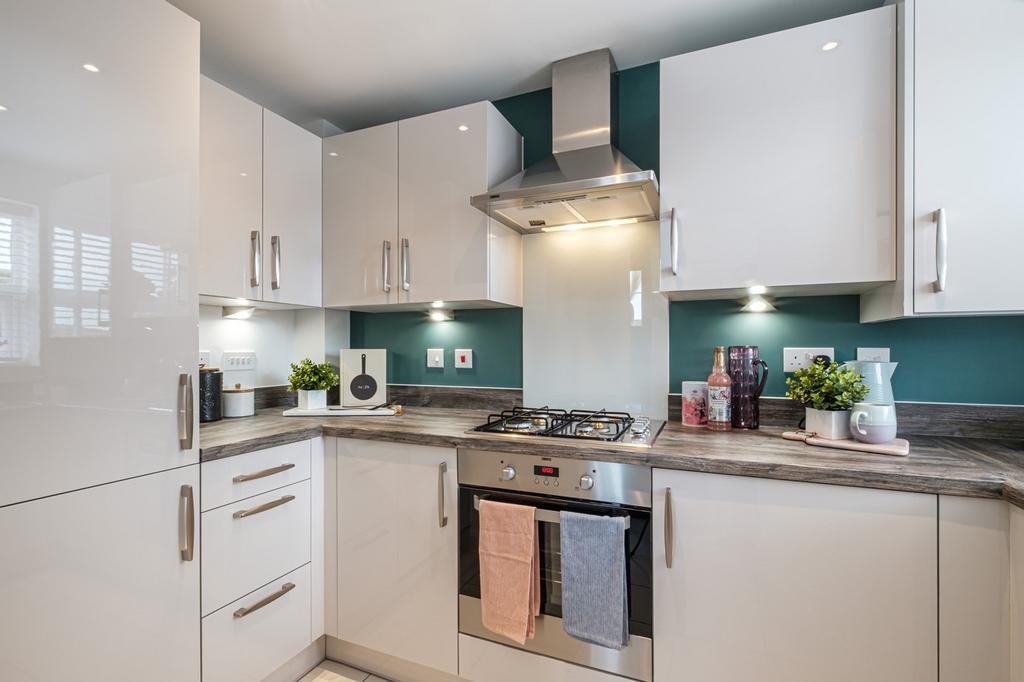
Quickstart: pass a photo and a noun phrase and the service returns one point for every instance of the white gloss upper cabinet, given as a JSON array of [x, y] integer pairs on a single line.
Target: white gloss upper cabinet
[[231, 205], [292, 229], [98, 576], [99, 222], [397, 577], [780, 581], [779, 158], [968, 61], [361, 217]]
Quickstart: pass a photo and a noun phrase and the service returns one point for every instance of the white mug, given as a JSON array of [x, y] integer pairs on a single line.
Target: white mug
[[873, 422]]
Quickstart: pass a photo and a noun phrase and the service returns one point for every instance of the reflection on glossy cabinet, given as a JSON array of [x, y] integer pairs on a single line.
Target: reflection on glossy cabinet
[[361, 217], [94, 585], [231, 207], [99, 185], [397, 558], [779, 158], [781, 581], [292, 231]]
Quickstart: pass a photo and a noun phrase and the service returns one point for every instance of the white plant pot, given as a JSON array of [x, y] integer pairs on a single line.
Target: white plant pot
[[312, 400], [830, 424]]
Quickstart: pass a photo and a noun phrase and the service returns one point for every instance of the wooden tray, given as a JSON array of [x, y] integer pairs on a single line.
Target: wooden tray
[[899, 446]]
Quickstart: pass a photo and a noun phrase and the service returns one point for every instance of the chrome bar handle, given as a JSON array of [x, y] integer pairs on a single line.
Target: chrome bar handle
[[405, 265], [266, 506], [385, 265], [242, 478], [186, 411], [941, 249], [673, 238], [275, 250], [187, 523], [442, 469], [256, 255], [669, 535], [269, 599]]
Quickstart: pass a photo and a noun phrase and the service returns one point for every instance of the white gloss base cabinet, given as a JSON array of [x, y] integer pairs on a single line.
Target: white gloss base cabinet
[[483, 661], [397, 578], [781, 581], [779, 159], [94, 587], [245, 647], [1017, 594]]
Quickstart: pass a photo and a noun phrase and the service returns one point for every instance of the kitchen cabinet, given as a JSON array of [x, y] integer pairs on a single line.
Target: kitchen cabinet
[[231, 205], [959, 185], [796, 582], [397, 550], [292, 205], [778, 157], [483, 661], [1017, 594], [100, 196], [399, 228], [94, 584], [974, 589], [260, 209], [361, 217]]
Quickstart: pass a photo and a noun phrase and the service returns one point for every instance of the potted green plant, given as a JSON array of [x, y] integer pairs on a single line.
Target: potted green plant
[[827, 391], [312, 381]]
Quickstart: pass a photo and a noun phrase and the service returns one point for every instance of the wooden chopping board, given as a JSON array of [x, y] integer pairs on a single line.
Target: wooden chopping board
[[899, 447]]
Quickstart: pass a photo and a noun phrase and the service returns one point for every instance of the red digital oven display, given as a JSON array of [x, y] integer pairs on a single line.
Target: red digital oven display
[[545, 471]]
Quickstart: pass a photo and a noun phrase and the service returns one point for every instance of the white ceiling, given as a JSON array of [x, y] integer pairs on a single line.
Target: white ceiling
[[358, 63]]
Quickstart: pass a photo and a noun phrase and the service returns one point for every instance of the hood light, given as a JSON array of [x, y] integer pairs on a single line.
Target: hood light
[[584, 226], [757, 290], [437, 304], [235, 312], [441, 315], [758, 304]]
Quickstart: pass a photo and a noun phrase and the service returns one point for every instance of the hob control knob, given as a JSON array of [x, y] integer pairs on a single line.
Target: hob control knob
[[508, 473], [586, 482]]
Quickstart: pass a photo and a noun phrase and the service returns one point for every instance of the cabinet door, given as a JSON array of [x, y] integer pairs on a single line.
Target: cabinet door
[[94, 585], [1017, 594], [98, 242], [231, 193], [968, 61], [292, 226], [779, 157], [793, 582], [361, 217], [441, 166], [397, 565]]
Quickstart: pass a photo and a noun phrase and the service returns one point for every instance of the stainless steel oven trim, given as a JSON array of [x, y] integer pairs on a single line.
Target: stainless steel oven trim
[[635, 661], [542, 515]]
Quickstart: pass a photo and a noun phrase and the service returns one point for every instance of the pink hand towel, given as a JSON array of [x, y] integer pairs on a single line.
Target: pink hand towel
[[509, 569]]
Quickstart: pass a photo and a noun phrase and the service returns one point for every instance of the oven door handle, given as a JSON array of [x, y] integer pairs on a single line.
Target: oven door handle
[[545, 515]]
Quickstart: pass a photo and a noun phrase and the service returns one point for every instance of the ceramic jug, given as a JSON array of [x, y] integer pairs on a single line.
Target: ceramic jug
[[877, 377]]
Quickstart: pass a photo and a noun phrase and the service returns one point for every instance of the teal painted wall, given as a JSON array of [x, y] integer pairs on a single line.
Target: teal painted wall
[[496, 337], [965, 359]]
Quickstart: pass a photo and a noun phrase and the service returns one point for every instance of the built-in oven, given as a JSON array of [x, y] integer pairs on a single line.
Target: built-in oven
[[553, 484]]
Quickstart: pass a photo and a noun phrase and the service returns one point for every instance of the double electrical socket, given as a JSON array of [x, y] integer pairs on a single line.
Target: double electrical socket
[[799, 358]]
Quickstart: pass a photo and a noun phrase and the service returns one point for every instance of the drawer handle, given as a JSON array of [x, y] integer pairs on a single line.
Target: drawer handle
[[269, 599], [242, 478], [263, 507]]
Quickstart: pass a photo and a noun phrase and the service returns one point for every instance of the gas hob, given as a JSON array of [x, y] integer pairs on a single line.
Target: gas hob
[[598, 425]]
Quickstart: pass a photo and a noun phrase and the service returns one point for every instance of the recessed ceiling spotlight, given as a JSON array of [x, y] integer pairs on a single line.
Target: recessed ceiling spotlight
[[463, 128], [757, 290], [332, 153], [829, 46], [92, 68]]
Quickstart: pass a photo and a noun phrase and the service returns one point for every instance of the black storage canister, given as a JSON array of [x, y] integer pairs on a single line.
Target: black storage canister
[[211, 381]]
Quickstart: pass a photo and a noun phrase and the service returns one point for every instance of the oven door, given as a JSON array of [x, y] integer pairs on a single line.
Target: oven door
[[635, 661]]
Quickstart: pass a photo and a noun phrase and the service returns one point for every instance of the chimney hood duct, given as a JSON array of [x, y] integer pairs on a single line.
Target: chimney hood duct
[[586, 180]]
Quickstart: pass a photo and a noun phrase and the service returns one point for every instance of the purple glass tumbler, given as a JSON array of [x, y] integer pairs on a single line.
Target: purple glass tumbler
[[746, 385]]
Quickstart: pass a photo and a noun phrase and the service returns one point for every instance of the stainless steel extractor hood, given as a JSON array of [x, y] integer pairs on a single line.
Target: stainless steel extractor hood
[[586, 182]]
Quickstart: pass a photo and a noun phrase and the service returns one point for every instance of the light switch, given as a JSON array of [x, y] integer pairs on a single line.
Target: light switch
[[435, 357], [464, 358], [873, 354]]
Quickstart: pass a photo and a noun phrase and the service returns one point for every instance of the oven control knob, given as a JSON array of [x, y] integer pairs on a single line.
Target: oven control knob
[[508, 473], [586, 482]]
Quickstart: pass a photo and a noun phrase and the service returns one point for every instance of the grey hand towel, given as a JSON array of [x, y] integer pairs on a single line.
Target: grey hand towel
[[594, 606]]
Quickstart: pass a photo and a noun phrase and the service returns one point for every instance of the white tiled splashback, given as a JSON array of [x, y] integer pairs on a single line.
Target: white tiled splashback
[[595, 328]]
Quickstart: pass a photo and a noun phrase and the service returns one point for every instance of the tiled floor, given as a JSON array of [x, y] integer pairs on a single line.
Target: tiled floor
[[329, 671]]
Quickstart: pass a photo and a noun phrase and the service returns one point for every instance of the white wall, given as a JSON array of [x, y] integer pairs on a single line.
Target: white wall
[[279, 337]]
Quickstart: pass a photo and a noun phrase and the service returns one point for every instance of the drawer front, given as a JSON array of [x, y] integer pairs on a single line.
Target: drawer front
[[236, 478], [249, 543], [482, 661], [249, 646]]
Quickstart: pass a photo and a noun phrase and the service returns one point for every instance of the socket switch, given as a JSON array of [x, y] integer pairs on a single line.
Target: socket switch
[[873, 354], [204, 358], [435, 357], [799, 358], [463, 358], [234, 360]]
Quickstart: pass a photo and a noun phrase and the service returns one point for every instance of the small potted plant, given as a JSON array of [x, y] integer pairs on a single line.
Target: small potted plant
[[312, 380], [827, 391]]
